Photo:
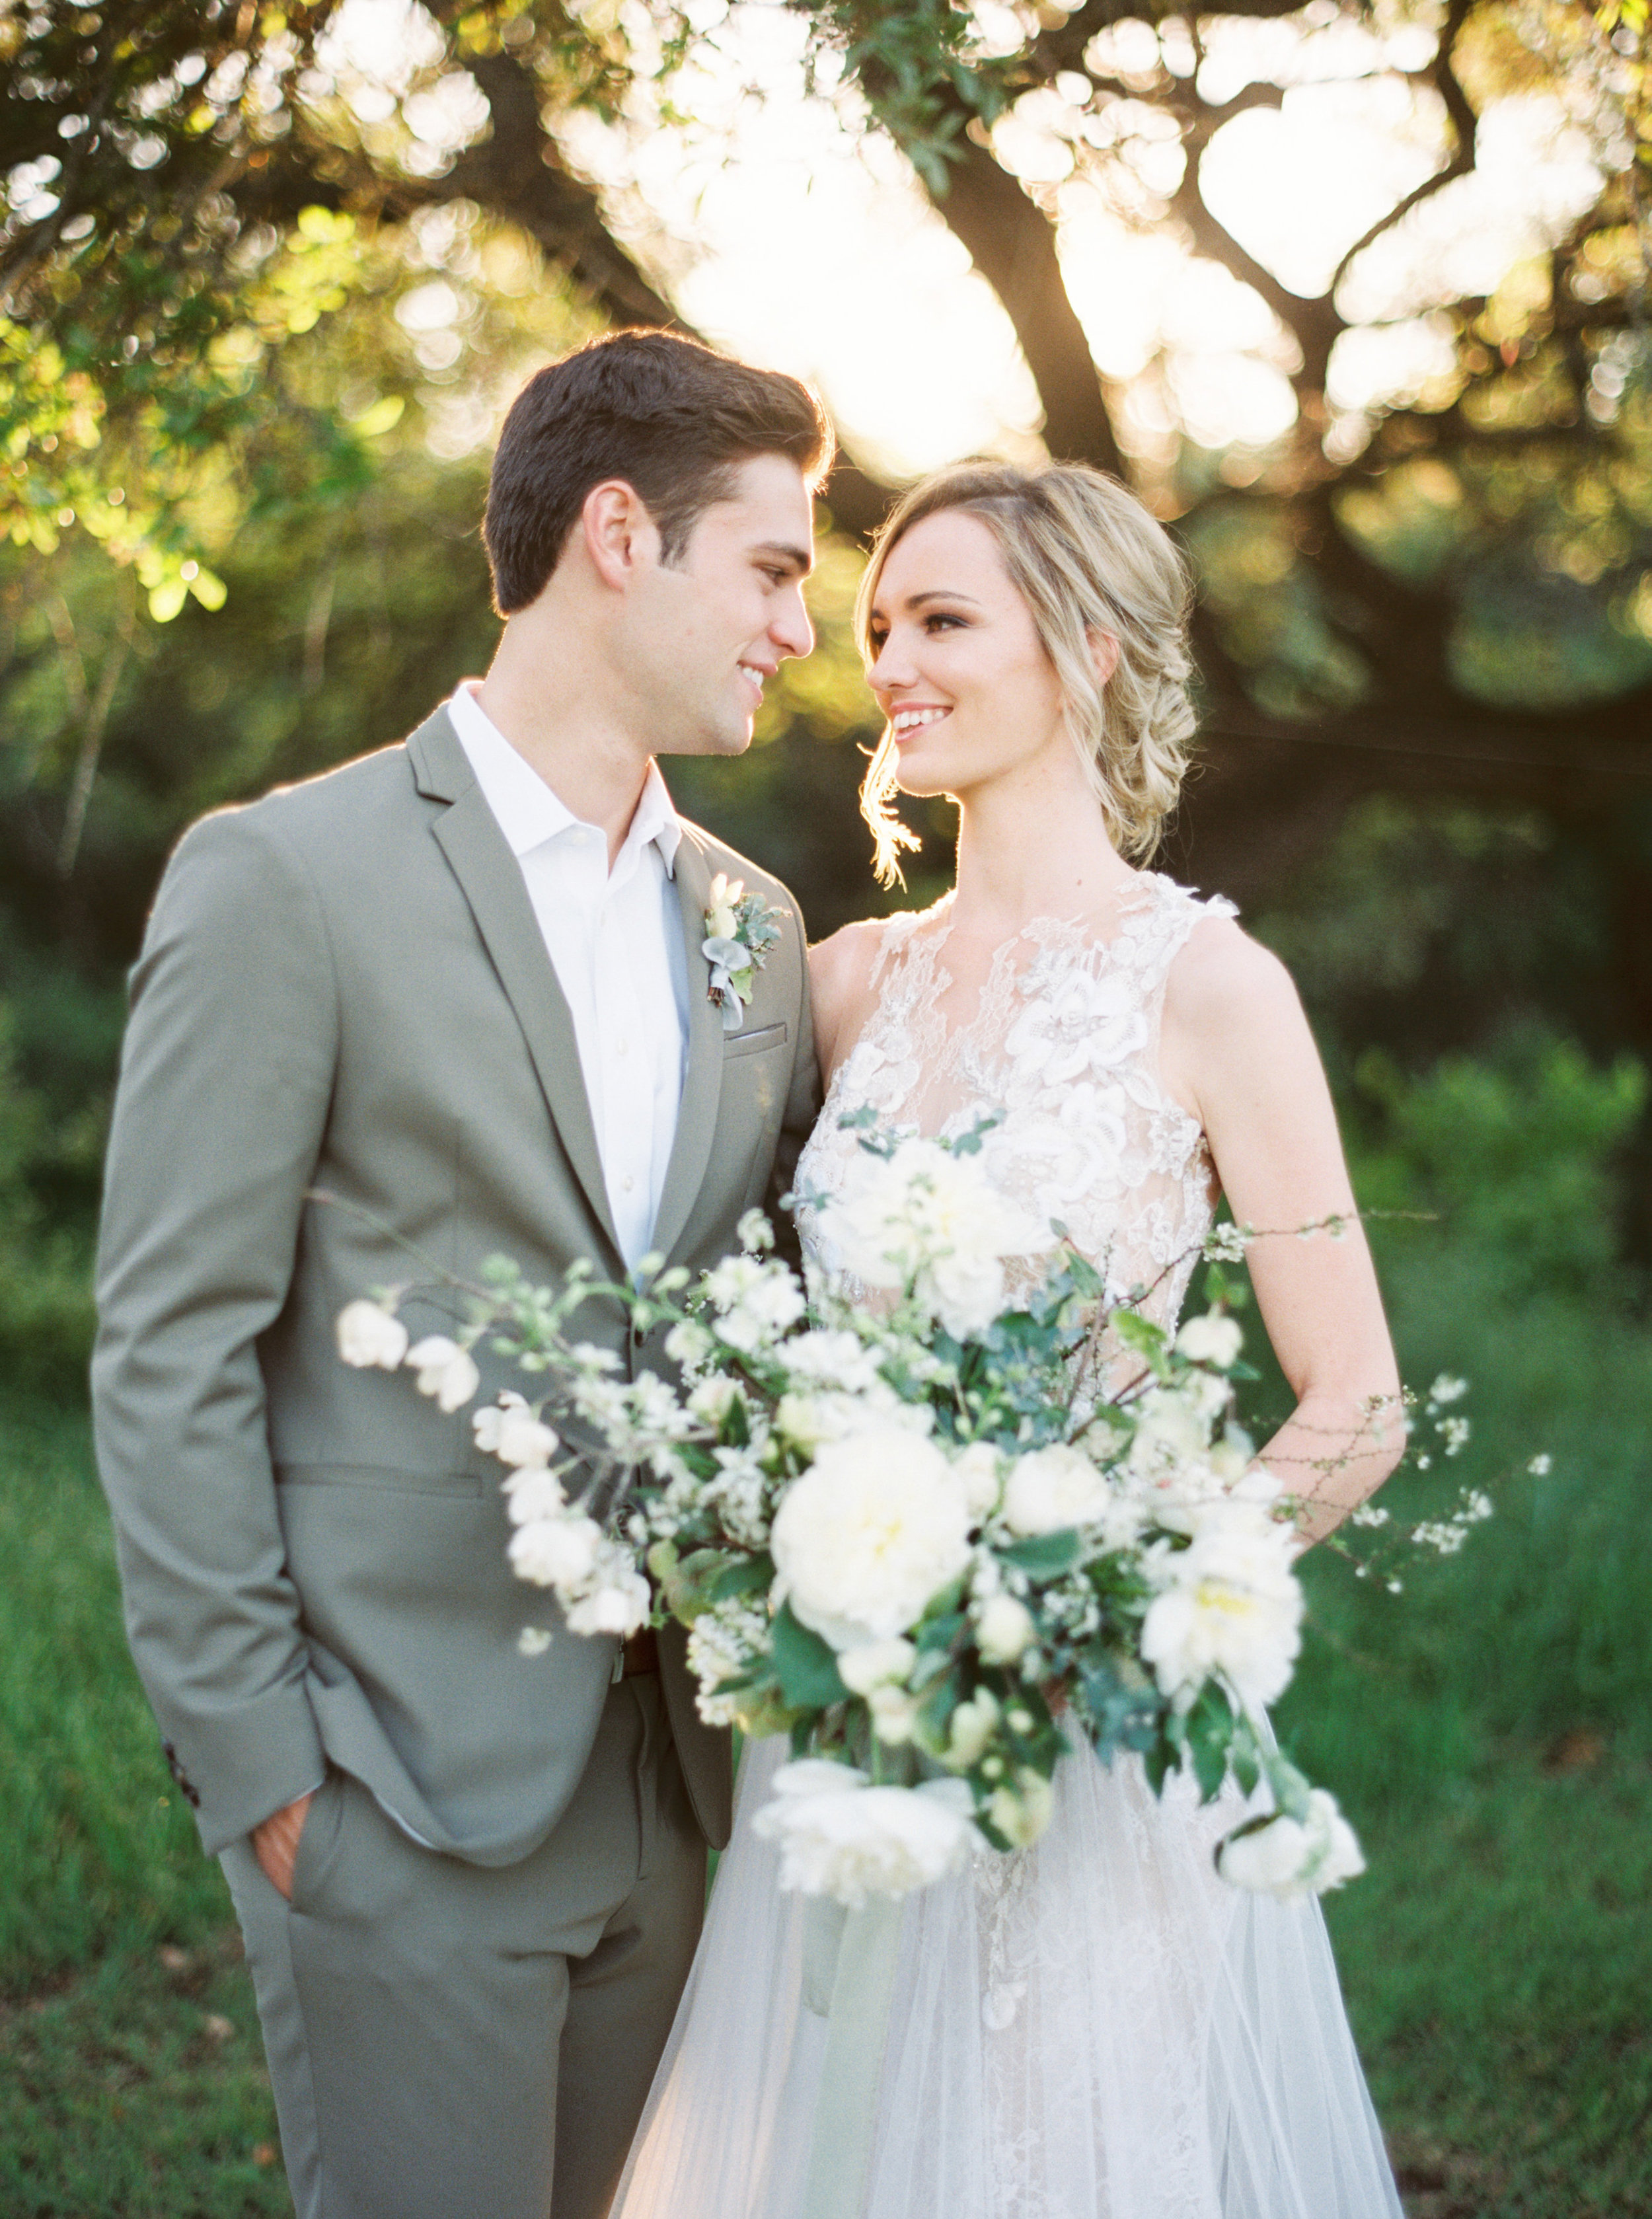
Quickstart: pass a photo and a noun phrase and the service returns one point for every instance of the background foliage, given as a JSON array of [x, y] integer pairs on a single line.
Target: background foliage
[[259, 313]]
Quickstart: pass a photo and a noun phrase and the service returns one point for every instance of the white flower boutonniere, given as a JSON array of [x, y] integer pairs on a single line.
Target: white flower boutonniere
[[740, 929]]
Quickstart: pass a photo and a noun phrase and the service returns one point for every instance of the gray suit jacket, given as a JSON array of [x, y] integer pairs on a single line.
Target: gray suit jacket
[[343, 988]]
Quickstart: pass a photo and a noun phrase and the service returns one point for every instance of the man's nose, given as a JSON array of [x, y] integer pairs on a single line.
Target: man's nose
[[791, 631]]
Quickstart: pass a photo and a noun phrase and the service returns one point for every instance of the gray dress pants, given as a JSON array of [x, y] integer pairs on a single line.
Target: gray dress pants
[[452, 2042]]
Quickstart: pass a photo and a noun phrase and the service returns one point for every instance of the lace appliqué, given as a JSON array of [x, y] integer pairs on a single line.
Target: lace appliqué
[[1064, 1049]]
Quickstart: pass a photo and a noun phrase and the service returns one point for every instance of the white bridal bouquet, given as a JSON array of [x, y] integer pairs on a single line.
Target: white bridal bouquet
[[929, 1535]]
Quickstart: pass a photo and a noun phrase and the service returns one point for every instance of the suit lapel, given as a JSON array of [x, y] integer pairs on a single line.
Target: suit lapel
[[703, 1084], [480, 858]]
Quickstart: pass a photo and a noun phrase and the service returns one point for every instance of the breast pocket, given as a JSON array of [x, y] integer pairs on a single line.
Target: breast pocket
[[753, 1042]]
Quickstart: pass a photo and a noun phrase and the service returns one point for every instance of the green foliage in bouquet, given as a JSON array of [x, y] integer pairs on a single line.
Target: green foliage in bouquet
[[954, 1502]]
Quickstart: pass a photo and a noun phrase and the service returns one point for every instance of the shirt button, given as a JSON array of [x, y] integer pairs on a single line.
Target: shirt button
[[619, 1048], [627, 1184]]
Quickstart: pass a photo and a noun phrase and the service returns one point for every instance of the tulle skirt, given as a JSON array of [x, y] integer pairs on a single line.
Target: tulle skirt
[[1096, 2028]]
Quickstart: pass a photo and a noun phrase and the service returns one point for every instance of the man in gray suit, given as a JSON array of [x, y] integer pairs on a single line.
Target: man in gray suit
[[450, 1001]]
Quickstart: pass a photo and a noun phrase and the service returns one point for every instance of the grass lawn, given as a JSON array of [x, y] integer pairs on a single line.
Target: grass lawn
[[1487, 1732]]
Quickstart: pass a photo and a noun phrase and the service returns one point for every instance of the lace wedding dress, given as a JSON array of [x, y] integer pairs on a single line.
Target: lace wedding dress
[[1096, 2027]]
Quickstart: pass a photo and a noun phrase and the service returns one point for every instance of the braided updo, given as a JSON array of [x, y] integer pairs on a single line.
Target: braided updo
[[1087, 558]]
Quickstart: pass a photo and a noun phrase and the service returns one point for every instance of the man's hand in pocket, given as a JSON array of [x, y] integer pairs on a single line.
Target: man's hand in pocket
[[275, 1845]]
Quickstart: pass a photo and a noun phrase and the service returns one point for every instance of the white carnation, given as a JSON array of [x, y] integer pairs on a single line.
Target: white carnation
[[556, 1552], [1054, 1487], [369, 1336], [866, 1537], [1215, 1338], [1286, 1858], [841, 1839], [445, 1370], [1229, 1604]]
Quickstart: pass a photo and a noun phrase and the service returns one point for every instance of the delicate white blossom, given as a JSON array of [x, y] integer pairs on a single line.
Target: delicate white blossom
[[1287, 1857], [837, 1836], [933, 1218], [511, 1433], [1214, 1339], [445, 1370], [1054, 1487], [875, 1663], [1229, 1604], [533, 1492], [369, 1336], [1021, 1813], [874, 1528], [1005, 1630], [556, 1552]]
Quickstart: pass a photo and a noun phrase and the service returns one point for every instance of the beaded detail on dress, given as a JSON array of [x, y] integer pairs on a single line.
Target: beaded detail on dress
[[1064, 1049]]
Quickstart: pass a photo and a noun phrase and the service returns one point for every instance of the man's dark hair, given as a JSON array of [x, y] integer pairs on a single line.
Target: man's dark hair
[[670, 417]]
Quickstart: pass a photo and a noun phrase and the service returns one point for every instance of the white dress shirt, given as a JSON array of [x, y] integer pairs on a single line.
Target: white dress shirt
[[615, 942]]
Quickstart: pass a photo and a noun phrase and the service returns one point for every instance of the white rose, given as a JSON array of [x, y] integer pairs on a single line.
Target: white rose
[[369, 1336], [1231, 1605], [841, 1839], [531, 1493], [1213, 1339], [973, 1724], [1169, 1428], [556, 1552], [1021, 1813], [1005, 1630], [1286, 1858], [977, 1472], [1054, 1487], [878, 1662], [445, 1370], [868, 1534]]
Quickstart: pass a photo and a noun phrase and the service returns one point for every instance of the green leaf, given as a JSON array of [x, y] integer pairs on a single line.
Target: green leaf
[[1043, 1555], [809, 1680], [745, 1575]]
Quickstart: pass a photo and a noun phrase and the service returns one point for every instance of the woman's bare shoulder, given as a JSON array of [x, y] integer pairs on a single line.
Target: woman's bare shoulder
[[1222, 977]]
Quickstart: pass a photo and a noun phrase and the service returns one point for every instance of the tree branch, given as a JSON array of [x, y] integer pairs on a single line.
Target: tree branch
[[1464, 123]]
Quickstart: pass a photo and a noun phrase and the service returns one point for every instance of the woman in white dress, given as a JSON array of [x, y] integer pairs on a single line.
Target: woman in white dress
[[1096, 2027]]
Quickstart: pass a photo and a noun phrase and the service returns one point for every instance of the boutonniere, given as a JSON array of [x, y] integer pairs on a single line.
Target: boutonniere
[[740, 929]]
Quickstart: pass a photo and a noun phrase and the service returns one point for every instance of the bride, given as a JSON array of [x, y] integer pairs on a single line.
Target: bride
[[1096, 2027]]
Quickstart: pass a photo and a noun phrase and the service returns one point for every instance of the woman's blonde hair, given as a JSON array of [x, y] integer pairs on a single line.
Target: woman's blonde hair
[[1086, 558]]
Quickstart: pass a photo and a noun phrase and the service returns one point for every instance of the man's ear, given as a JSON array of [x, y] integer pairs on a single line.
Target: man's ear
[[621, 539], [1104, 654]]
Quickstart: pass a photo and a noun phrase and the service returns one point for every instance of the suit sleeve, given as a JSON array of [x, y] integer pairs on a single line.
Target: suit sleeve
[[226, 1077], [802, 1108]]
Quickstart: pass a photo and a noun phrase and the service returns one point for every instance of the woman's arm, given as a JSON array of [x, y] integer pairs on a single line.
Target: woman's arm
[[840, 974], [1237, 1051]]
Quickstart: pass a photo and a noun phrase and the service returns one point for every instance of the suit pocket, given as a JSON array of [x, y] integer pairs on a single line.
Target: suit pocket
[[318, 1843], [753, 1043]]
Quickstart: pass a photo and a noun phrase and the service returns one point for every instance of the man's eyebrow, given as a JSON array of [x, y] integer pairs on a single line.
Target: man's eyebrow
[[799, 557]]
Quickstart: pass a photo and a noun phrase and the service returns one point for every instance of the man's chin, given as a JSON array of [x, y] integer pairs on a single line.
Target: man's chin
[[715, 740]]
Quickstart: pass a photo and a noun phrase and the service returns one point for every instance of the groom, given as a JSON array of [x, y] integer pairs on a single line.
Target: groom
[[446, 1002]]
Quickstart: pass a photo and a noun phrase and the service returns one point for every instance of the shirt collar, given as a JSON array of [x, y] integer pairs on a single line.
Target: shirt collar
[[530, 813]]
